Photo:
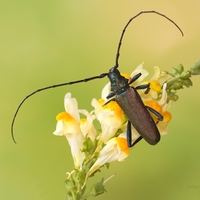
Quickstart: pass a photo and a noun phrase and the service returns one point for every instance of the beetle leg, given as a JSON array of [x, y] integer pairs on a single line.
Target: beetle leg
[[144, 86], [160, 117], [113, 99], [110, 95], [135, 78], [129, 136]]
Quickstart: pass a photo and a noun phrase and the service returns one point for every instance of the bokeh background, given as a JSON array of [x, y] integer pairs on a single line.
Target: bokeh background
[[48, 42]]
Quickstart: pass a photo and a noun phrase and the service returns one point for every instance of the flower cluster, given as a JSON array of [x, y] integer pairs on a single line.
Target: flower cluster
[[92, 148]]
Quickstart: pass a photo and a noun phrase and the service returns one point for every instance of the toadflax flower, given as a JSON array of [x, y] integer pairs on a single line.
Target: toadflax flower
[[93, 148], [116, 149], [110, 116], [68, 126]]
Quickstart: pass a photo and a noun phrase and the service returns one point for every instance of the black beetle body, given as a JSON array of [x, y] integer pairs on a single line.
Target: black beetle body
[[131, 103]]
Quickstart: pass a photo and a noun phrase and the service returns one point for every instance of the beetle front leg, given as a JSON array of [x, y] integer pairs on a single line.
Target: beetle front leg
[[113, 99]]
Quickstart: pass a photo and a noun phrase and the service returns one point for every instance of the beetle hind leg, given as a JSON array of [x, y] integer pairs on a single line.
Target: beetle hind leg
[[129, 136]]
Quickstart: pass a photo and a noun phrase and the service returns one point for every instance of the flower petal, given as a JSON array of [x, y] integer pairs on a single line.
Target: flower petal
[[71, 106], [86, 125]]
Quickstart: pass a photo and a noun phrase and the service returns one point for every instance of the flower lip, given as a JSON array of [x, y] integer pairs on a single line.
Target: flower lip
[[64, 116]]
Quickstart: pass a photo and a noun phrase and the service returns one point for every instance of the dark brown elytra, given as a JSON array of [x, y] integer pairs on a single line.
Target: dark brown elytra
[[126, 96]]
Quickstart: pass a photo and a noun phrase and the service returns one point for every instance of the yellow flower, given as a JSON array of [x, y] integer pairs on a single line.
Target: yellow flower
[[116, 149], [156, 83], [110, 116], [162, 107], [68, 126]]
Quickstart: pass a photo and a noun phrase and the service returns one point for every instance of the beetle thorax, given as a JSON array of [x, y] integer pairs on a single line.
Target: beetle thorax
[[118, 83]]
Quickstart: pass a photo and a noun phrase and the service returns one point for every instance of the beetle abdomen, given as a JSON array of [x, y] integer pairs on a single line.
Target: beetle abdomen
[[137, 113]]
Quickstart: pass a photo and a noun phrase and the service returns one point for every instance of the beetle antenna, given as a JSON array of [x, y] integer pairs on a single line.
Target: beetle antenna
[[46, 88], [130, 20]]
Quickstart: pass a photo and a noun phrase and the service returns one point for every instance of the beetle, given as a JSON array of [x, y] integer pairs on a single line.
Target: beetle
[[126, 96], [131, 103]]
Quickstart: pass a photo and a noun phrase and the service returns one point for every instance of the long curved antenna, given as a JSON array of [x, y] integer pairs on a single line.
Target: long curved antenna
[[46, 88], [130, 20]]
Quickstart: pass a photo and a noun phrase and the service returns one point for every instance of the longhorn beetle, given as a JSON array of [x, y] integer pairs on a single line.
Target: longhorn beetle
[[126, 96]]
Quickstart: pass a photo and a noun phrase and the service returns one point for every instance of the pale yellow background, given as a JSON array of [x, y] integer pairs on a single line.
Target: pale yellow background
[[48, 42]]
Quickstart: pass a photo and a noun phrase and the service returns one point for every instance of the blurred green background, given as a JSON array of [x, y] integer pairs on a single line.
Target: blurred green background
[[48, 42]]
